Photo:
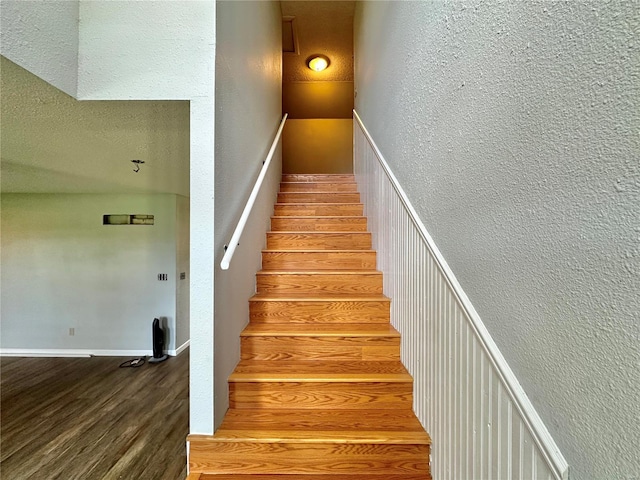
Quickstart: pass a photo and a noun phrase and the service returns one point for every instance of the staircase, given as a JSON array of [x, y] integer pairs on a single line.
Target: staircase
[[320, 392]]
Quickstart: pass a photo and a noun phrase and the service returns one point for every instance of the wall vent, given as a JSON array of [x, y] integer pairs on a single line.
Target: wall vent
[[126, 219]]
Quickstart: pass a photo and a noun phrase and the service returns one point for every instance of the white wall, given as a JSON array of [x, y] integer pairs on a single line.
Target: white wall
[[158, 49], [513, 129], [248, 107], [62, 268], [164, 49], [42, 37]]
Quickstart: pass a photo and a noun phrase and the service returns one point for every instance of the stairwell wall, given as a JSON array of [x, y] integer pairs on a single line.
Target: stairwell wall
[[248, 113], [511, 129]]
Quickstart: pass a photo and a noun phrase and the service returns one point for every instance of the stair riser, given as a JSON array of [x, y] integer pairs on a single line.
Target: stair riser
[[318, 197], [303, 458], [320, 312], [318, 260], [317, 187], [315, 224], [319, 241], [313, 395], [319, 178], [321, 348], [320, 283], [317, 209]]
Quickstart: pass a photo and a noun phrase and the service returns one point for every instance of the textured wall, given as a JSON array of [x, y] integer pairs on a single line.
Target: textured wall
[[62, 268], [154, 50], [248, 106], [513, 127], [42, 37], [318, 145], [53, 143]]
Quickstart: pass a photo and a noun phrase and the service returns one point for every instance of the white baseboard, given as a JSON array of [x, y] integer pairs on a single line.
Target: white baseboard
[[84, 353], [71, 352], [180, 349]]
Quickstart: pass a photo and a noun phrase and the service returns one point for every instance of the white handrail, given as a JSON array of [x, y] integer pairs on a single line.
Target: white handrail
[[237, 233]]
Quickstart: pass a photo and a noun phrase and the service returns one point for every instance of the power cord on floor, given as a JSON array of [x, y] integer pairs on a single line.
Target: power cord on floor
[[134, 363]]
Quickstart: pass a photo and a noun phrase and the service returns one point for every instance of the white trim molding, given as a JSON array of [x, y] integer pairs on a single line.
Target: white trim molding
[[76, 352], [482, 423]]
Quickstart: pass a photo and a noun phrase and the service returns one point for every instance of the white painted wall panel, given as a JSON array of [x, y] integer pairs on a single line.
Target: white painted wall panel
[[42, 37], [512, 127], [146, 50], [62, 268], [482, 424]]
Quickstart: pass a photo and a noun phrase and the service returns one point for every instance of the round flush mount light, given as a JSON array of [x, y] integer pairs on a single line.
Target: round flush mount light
[[318, 63]]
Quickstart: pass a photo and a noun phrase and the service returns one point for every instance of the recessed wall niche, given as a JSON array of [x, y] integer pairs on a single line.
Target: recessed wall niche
[[127, 219]]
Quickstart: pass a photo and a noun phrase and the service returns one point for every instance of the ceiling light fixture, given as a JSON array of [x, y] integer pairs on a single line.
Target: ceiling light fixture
[[318, 63]]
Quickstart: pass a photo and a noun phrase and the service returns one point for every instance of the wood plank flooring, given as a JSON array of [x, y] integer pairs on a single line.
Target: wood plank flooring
[[86, 419], [320, 392]]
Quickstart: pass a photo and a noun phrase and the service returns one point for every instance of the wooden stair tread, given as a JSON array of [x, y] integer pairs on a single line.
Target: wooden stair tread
[[324, 419], [299, 250], [338, 476], [320, 272], [320, 330], [292, 297], [321, 426], [343, 218], [319, 177], [304, 204], [320, 371]]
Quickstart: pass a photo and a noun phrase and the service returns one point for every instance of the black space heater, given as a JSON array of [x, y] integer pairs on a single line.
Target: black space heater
[[158, 343]]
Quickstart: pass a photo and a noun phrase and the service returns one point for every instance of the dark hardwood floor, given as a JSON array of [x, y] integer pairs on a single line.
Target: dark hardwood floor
[[85, 418]]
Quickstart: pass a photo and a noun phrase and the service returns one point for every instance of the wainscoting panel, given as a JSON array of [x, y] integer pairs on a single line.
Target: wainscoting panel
[[480, 420]]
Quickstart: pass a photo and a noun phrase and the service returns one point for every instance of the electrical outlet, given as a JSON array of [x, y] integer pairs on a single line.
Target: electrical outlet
[[72, 332], [163, 277]]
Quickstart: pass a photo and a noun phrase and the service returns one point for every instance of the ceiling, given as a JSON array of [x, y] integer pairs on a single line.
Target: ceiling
[[52, 143], [324, 27]]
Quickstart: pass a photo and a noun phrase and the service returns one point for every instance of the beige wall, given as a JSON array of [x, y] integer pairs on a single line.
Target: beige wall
[[318, 99], [318, 145]]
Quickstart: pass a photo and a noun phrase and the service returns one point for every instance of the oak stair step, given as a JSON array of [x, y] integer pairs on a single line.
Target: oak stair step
[[319, 240], [318, 259], [339, 476], [340, 385], [324, 441], [338, 283], [318, 197], [318, 187], [318, 178], [319, 223], [318, 209], [282, 342], [320, 392], [313, 309]]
